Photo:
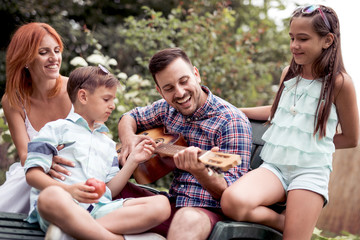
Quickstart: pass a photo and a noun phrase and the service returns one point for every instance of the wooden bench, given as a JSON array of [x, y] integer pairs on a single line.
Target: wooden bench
[[12, 226]]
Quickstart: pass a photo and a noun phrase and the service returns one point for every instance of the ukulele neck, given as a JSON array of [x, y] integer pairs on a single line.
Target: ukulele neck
[[170, 150]]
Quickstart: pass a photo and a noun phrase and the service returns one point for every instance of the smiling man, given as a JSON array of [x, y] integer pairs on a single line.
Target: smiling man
[[205, 121]]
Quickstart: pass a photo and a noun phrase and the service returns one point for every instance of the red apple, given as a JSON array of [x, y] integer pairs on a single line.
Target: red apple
[[100, 187]]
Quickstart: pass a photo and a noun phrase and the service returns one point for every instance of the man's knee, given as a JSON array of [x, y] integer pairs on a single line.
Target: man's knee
[[190, 223], [191, 216]]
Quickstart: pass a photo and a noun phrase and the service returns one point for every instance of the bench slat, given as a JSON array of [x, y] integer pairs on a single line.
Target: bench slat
[[21, 231], [17, 236]]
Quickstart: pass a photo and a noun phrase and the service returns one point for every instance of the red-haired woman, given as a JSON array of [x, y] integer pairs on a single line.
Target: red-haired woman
[[35, 94]]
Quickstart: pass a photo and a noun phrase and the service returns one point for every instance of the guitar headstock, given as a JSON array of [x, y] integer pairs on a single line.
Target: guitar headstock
[[219, 162]]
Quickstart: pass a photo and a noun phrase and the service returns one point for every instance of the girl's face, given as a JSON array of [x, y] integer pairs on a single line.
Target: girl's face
[[305, 44], [46, 64]]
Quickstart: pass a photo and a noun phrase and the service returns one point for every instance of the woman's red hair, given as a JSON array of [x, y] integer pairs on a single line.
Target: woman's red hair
[[22, 50]]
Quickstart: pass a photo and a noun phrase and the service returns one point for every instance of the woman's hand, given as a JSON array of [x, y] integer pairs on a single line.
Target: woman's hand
[[56, 168]]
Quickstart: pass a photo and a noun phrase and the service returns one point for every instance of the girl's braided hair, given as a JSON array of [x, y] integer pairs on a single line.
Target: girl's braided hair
[[326, 67]]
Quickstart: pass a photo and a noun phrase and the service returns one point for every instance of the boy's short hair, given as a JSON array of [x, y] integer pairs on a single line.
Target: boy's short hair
[[89, 78]]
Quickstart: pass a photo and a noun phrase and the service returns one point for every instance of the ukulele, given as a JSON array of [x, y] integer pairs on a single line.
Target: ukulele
[[161, 163]]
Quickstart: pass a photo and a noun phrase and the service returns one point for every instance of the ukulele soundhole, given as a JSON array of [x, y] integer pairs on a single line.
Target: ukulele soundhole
[[159, 140]]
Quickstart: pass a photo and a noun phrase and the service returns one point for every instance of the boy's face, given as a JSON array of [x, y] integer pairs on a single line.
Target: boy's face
[[100, 104]]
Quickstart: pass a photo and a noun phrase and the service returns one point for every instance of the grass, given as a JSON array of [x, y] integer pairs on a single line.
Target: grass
[[323, 235]]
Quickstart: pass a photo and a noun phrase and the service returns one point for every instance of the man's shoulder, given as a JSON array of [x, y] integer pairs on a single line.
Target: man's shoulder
[[228, 110]]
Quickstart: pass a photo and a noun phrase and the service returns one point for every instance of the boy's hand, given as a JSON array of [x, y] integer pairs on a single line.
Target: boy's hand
[[56, 169], [127, 146], [142, 151], [83, 193]]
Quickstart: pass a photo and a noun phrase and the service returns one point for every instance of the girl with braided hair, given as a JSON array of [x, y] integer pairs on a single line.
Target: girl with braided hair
[[314, 112]]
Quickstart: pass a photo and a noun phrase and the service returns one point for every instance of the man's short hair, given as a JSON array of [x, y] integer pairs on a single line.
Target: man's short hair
[[164, 57]]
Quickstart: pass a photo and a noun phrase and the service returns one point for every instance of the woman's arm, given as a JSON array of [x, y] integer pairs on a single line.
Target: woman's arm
[[16, 122]]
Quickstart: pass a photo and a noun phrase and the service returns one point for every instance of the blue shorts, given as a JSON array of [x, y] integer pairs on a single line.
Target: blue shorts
[[315, 179], [97, 210]]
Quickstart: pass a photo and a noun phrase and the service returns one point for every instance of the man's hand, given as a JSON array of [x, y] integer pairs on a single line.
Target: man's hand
[[187, 160], [56, 169], [128, 145]]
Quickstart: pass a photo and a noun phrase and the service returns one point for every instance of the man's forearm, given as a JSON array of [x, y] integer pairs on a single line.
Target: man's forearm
[[127, 126]]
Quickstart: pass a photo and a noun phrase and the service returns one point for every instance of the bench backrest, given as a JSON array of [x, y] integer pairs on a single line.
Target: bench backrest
[[258, 129]]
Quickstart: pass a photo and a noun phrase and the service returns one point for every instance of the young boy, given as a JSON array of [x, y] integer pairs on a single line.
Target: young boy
[[72, 205]]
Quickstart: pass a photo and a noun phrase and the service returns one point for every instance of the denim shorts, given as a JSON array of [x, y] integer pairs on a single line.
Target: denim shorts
[[315, 179], [97, 210]]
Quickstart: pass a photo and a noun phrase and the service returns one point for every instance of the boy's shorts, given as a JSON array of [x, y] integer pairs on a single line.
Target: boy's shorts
[[97, 210], [315, 179]]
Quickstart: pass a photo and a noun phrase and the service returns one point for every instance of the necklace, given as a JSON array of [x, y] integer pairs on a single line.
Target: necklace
[[292, 108]]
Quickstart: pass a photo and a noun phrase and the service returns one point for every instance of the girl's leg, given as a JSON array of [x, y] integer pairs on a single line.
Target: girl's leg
[[247, 198], [138, 215], [303, 208], [57, 206]]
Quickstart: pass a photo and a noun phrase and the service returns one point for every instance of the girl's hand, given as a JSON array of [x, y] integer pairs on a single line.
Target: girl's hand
[[56, 169], [83, 193], [142, 151]]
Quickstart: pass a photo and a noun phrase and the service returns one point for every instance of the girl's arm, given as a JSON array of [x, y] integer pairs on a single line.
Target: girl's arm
[[348, 114], [257, 113], [16, 122]]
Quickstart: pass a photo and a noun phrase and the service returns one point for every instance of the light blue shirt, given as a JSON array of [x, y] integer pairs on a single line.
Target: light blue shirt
[[92, 152]]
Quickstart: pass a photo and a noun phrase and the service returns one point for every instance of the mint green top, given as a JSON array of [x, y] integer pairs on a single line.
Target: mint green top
[[290, 140]]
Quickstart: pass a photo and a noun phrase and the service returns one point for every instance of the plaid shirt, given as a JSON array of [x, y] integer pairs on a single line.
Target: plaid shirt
[[216, 123]]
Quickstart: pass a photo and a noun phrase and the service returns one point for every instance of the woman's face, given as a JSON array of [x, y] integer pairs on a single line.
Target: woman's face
[[47, 63]]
